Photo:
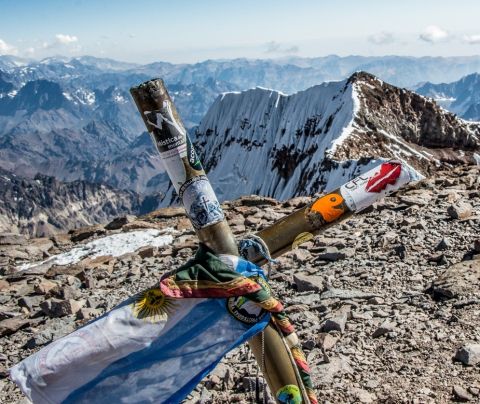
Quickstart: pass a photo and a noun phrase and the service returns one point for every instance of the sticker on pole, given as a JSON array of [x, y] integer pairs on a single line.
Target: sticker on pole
[[200, 202], [167, 131], [372, 186]]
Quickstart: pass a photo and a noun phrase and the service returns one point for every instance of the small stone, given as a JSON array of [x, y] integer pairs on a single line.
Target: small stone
[[442, 245], [326, 341], [184, 223], [100, 262], [308, 344], [12, 325], [384, 328], [305, 283], [147, 252], [4, 285], [476, 246], [301, 255], [331, 254], [460, 210], [30, 302], [337, 322], [376, 300], [459, 280], [86, 232], [474, 390], [461, 394], [59, 308], [66, 292], [12, 239], [364, 396], [165, 213], [252, 221], [87, 313], [44, 287], [119, 222], [400, 250], [469, 354]]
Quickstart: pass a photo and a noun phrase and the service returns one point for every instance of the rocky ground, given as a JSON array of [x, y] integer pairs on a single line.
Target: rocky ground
[[387, 304]]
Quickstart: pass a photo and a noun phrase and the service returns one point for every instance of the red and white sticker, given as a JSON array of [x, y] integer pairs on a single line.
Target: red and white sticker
[[372, 186]]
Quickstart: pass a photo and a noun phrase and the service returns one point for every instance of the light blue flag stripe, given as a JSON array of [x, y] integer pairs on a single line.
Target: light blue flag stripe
[[170, 368]]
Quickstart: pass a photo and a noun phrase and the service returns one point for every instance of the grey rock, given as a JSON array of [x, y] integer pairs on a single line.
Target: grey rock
[[384, 328], [460, 210], [30, 302], [461, 394], [45, 286], [12, 325], [443, 244], [59, 308], [469, 354], [307, 283], [400, 250], [337, 322], [325, 373], [326, 341], [87, 313], [86, 232], [476, 246], [347, 294], [331, 254], [119, 222], [301, 255], [459, 280], [66, 292], [12, 239], [147, 252]]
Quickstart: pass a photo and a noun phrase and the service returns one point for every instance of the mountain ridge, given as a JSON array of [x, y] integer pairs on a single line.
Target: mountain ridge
[[43, 206], [317, 139]]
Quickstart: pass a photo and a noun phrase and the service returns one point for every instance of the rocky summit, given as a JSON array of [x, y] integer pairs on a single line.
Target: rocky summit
[[386, 303], [319, 138]]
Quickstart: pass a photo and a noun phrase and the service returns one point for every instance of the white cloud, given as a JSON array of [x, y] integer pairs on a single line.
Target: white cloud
[[64, 39], [275, 47], [433, 34], [472, 39], [381, 38], [6, 49], [29, 51]]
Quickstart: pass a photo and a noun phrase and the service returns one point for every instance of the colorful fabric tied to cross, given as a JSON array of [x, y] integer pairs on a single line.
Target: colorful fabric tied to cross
[[159, 344]]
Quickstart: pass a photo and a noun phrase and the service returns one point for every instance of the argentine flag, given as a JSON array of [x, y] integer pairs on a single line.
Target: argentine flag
[[150, 349]]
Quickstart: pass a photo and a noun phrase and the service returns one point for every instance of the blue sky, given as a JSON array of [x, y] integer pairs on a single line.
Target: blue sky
[[190, 31]]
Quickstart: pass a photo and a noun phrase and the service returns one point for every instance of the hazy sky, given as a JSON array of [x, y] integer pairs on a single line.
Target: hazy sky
[[190, 31]]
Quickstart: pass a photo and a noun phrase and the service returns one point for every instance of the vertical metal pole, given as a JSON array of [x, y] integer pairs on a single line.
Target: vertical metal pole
[[188, 177]]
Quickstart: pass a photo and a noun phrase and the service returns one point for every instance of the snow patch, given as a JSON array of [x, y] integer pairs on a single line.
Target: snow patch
[[120, 99], [477, 158], [114, 245], [350, 127]]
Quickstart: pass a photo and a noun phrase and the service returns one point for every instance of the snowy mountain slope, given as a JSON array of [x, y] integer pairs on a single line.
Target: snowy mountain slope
[[461, 97], [263, 142]]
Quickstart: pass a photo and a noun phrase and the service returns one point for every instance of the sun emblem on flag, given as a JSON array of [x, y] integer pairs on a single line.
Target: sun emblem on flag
[[152, 305]]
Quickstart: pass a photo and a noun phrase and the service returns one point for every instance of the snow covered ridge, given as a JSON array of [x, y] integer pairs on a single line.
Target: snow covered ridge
[[114, 245], [264, 142]]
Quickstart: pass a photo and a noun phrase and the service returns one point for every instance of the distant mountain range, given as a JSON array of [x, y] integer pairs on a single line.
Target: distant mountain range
[[74, 119], [44, 205], [461, 97]]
